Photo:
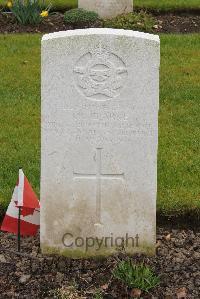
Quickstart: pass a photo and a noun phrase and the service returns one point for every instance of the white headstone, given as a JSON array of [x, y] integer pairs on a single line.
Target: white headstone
[[100, 97], [107, 8]]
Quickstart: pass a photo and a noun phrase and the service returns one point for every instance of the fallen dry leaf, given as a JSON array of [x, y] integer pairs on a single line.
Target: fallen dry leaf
[[104, 287], [181, 293], [155, 26], [135, 293], [168, 237], [158, 244]]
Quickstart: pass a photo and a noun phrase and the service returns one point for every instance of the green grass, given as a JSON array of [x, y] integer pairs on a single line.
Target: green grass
[[57, 4], [151, 4], [179, 138], [164, 5], [179, 121], [19, 111]]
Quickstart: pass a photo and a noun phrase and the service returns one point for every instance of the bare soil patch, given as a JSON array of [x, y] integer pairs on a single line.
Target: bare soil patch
[[184, 23], [167, 23], [33, 275]]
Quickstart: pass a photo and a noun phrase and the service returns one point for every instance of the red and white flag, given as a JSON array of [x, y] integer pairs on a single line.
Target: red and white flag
[[23, 197]]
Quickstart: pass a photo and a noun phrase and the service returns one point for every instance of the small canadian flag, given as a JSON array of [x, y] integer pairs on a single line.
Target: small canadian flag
[[23, 212]]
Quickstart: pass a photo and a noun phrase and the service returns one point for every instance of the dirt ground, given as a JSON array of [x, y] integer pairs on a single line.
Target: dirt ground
[[33, 275], [167, 23]]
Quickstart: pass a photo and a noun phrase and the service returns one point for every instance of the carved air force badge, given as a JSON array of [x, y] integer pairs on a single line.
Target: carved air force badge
[[100, 75]]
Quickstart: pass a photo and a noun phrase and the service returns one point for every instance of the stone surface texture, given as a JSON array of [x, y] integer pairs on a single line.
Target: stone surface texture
[[100, 101], [107, 8]]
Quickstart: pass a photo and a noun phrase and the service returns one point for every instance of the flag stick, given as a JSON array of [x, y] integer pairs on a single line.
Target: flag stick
[[19, 234]]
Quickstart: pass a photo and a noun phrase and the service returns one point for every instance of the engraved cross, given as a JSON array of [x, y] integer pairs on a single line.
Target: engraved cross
[[98, 176]]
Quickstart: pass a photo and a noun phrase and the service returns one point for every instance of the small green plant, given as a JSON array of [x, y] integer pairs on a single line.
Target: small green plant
[[28, 11], [133, 21], [79, 16], [135, 276], [98, 295]]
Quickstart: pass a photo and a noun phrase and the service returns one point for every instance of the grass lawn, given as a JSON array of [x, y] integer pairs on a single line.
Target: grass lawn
[[152, 4], [179, 135], [167, 4], [59, 4]]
